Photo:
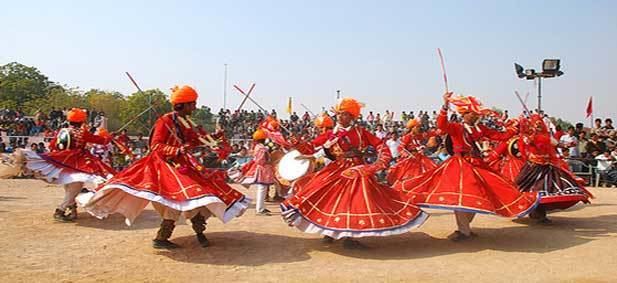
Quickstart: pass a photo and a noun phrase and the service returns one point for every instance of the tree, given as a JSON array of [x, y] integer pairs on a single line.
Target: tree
[[135, 106], [203, 116], [109, 102], [20, 84]]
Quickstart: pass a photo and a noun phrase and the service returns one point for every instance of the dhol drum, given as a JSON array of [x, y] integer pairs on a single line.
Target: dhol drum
[[289, 168]]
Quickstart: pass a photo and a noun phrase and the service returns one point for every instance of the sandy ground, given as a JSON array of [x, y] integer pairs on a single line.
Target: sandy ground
[[581, 246]]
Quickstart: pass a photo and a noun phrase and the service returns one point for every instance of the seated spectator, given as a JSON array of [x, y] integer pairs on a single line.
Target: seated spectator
[[41, 148]]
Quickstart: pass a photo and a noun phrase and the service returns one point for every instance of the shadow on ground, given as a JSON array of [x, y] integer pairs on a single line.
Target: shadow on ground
[[255, 249]]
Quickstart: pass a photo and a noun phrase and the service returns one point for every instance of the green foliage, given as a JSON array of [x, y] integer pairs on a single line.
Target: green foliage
[[20, 84], [203, 116], [137, 103], [562, 123], [26, 88]]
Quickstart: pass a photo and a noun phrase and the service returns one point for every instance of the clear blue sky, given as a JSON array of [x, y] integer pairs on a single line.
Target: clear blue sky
[[381, 52]]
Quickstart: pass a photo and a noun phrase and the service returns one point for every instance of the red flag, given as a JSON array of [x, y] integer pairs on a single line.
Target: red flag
[[589, 107]]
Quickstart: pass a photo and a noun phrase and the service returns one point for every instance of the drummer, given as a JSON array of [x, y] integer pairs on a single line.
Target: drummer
[[259, 172]]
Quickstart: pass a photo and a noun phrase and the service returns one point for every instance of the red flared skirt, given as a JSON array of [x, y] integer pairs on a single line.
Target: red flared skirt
[[79, 160], [410, 167], [557, 187], [336, 206], [457, 184], [509, 167], [177, 183]]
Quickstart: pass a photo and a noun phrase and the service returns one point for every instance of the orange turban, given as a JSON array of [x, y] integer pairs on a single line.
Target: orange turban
[[183, 94], [103, 133], [412, 123], [259, 134], [350, 106], [466, 104], [76, 115], [270, 123], [324, 121]]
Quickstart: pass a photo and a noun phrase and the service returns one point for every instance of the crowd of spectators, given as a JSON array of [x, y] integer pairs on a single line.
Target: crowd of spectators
[[583, 148]]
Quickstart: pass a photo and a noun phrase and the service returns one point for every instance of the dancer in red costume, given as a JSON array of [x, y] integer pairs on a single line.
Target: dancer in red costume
[[259, 171], [413, 161], [544, 173], [70, 163], [171, 178], [464, 183], [506, 157], [344, 200]]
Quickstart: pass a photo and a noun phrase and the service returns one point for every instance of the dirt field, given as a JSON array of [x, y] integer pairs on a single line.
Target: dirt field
[[581, 246]]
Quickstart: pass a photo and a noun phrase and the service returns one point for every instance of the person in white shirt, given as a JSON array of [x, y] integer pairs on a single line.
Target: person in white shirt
[[606, 167], [569, 142], [393, 142], [379, 132]]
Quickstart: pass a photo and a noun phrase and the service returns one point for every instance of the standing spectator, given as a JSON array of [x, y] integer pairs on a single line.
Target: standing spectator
[[597, 126], [608, 124], [379, 132], [404, 117], [294, 117], [582, 144], [570, 142], [578, 129], [370, 118], [306, 117], [606, 167], [393, 142], [378, 119], [595, 147], [388, 117], [558, 132]]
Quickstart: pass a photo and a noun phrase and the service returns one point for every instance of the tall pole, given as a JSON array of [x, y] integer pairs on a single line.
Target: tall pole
[[225, 89], [539, 94]]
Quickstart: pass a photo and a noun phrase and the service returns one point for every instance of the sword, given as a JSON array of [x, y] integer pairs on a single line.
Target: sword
[[259, 106]]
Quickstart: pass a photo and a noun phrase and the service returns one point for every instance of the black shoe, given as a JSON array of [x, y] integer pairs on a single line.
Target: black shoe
[[203, 241], [457, 236], [164, 244], [327, 240], [264, 212], [60, 217], [348, 243]]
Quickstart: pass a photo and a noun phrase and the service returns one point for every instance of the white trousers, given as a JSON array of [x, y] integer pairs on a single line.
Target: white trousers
[[260, 198], [463, 221], [71, 191]]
